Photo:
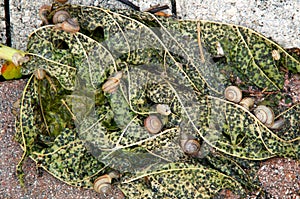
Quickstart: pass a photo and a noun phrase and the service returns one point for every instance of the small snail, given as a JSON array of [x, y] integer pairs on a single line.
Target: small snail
[[276, 54], [39, 74], [61, 1], [163, 109], [60, 16], [247, 102], [112, 83], [153, 124], [265, 115], [103, 186], [191, 147], [233, 94], [43, 13], [70, 25]]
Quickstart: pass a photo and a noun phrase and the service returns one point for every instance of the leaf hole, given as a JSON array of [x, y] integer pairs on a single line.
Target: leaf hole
[[60, 44]]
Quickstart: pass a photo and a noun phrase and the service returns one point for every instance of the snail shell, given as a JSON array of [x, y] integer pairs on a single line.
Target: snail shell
[[190, 147], [44, 12], [103, 184], [70, 25], [233, 94], [60, 16], [61, 1], [265, 115], [247, 102], [163, 109], [276, 54], [112, 83], [153, 124], [40, 74]]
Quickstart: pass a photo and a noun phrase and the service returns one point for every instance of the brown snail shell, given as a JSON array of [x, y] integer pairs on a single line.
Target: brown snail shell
[[40, 74], [247, 102], [112, 83], [103, 183], [61, 1], [265, 115], [190, 147], [70, 25], [233, 94], [163, 109], [44, 12], [60, 16], [153, 124]]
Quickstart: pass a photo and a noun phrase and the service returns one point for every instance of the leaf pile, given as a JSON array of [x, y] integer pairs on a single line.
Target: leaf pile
[[77, 132]]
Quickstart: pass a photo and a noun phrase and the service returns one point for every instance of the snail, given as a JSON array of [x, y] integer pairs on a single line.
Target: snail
[[70, 25], [233, 94], [43, 13], [39, 74], [103, 186], [163, 109], [277, 124], [153, 124], [61, 1], [247, 102], [112, 83], [60, 16], [276, 54], [103, 183], [190, 145], [265, 115]]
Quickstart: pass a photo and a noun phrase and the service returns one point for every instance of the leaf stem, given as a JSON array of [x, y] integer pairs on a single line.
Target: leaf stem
[[10, 54]]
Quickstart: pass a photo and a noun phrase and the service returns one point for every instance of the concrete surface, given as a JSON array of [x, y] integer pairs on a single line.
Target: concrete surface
[[277, 19]]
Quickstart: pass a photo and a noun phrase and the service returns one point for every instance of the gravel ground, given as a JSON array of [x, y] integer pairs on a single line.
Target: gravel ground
[[276, 19]]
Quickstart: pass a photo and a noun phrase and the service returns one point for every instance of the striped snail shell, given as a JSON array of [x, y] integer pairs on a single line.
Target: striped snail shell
[[247, 102], [233, 94], [190, 147], [60, 16], [153, 124], [103, 184], [265, 115]]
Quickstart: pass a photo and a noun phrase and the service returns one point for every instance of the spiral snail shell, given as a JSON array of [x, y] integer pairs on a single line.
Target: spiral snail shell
[[247, 102], [69, 25], [191, 147], [265, 115], [233, 94], [153, 124], [43, 13], [60, 16]]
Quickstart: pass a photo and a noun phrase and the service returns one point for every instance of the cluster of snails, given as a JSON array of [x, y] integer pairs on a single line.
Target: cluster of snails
[[103, 186], [62, 19], [263, 113]]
